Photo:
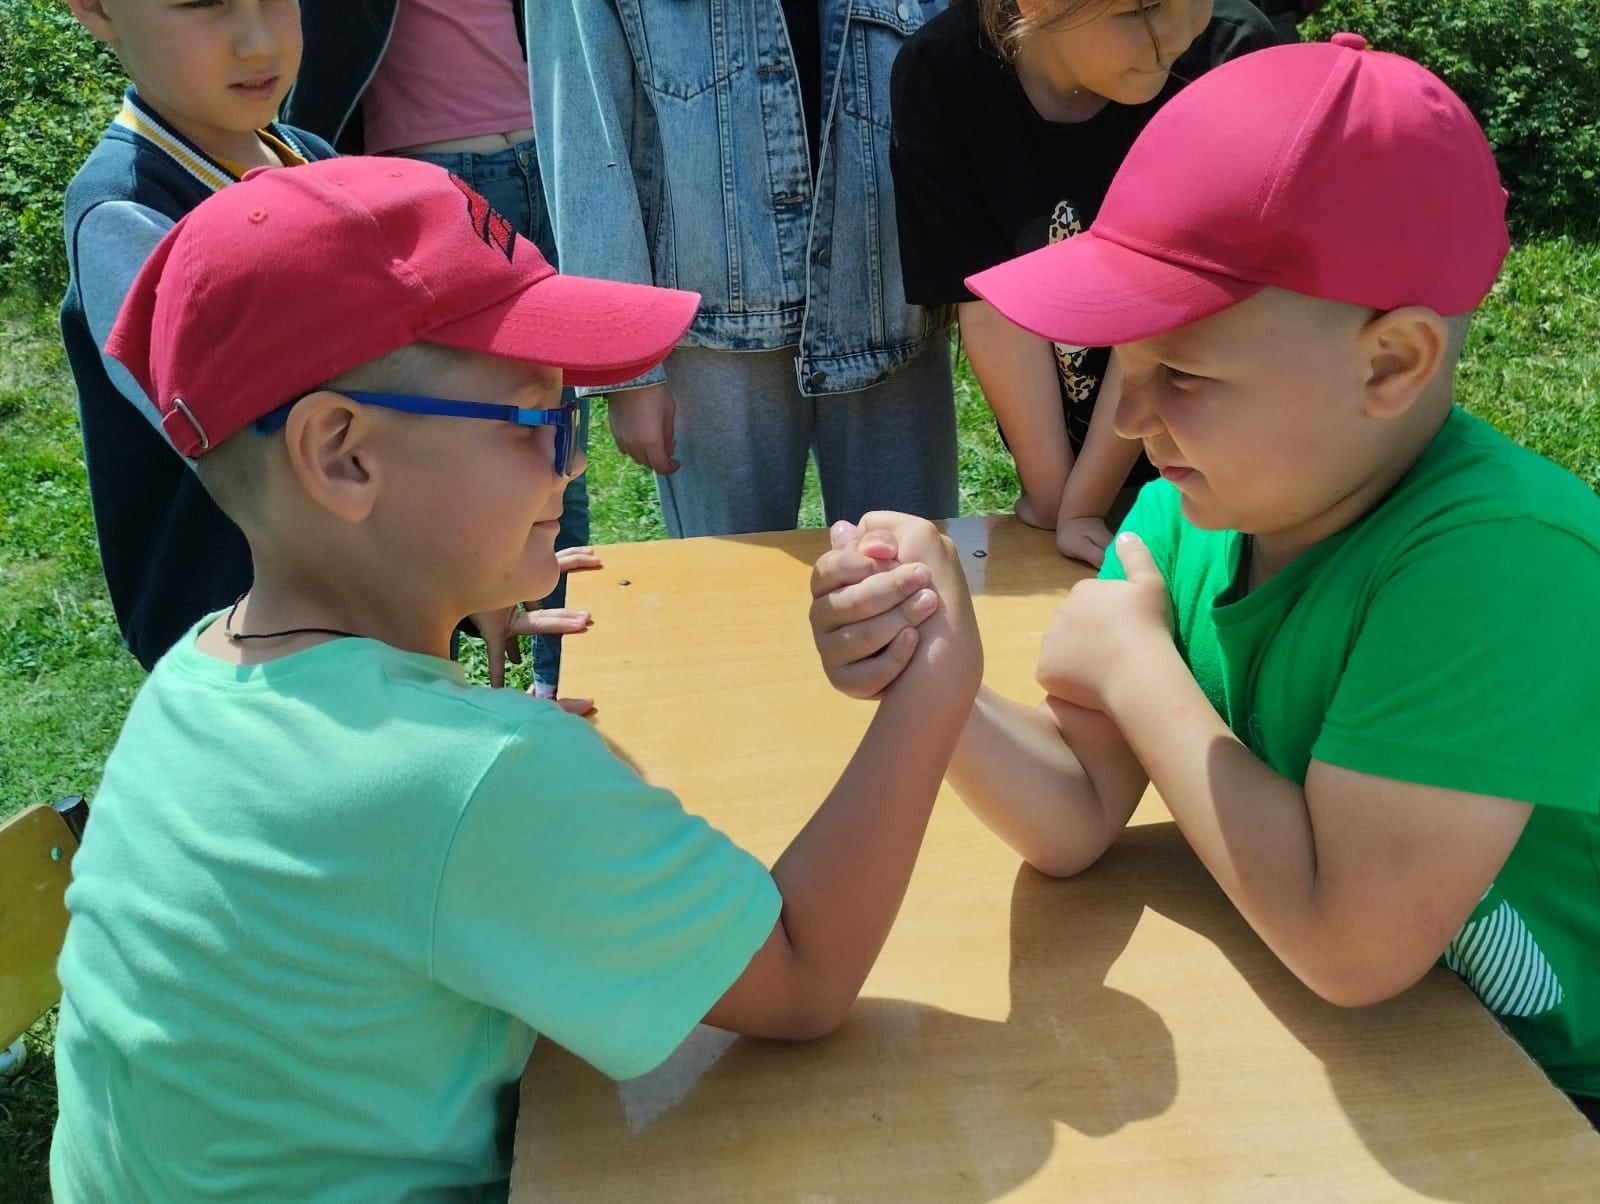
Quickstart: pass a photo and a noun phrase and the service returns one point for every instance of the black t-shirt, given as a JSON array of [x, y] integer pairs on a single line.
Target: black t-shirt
[[980, 177], [804, 19]]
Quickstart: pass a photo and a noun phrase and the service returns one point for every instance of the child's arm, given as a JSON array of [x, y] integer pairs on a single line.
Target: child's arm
[[642, 422], [1056, 783], [111, 244], [1092, 486], [1017, 372], [1356, 882], [844, 875]]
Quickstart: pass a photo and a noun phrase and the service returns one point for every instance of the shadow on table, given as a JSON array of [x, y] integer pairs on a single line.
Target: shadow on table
[[909, 1101], [1387, 1077], [966, 1106]]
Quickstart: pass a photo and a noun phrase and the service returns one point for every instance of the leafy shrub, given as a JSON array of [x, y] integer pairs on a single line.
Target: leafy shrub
[[58, 89], [1529, 70]]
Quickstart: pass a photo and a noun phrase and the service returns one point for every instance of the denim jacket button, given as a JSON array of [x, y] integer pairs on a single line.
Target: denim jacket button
[[904, 12], [817, 379], [823, 257]]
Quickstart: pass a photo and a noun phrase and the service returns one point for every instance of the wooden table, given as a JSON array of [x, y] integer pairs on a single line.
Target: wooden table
[[1118, 1036]]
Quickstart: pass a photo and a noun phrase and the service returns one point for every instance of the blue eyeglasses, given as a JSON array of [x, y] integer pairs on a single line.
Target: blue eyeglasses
[[564, 417]]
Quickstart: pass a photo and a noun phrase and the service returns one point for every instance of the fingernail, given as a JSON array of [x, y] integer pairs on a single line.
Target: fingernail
[[920, 576], [925, 600]]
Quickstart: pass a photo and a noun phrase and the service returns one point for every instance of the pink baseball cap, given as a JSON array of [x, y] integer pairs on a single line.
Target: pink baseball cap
[[1323, 168], [281, 282]]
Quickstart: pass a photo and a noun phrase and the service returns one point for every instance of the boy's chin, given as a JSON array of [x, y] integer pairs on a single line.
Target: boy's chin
[[1204, 516], [540, 583]]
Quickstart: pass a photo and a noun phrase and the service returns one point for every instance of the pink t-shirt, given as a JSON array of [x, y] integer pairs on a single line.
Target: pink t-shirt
[[453, 69]]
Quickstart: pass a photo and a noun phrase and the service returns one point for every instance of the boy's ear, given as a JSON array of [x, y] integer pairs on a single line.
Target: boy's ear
[[331, 447], [92, 15], [1404, 350]]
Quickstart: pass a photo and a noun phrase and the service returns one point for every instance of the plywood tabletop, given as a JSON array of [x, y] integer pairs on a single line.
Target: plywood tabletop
[[1122, 1035]]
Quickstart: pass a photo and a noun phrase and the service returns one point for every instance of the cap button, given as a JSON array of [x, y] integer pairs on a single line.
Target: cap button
[[1350, 41]]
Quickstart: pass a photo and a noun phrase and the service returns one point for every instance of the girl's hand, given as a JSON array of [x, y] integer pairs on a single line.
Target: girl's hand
[[1084, 539], [1031, 514]]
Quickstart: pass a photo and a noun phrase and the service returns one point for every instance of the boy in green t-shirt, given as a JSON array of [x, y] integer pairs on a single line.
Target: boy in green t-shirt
[[331, 891], [1350, 635]]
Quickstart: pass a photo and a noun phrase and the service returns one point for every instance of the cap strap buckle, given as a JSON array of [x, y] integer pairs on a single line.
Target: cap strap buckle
[[197, 440]]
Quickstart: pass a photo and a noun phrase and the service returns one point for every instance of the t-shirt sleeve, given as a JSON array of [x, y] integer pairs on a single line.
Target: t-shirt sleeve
[[587, 903], [114, 240], [1476, 667], [945, 235]]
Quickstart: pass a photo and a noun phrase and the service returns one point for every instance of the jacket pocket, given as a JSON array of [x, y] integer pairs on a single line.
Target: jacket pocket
[[877, 29], [685, 47]]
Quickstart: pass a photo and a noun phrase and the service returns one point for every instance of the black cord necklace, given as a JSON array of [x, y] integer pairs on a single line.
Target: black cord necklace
[[237, 636]]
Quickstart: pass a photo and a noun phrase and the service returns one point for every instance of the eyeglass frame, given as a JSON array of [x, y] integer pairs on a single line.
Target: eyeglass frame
[[565, 418]]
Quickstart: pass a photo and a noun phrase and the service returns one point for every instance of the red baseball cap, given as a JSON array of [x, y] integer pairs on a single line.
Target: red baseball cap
[[1323, 168], [282, 282]]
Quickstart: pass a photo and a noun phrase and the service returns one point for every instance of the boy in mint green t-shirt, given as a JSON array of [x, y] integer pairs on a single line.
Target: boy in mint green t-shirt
[[1349, 635], [332, 892]]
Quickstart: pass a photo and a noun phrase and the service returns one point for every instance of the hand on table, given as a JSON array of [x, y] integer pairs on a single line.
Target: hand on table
[[501, 629], [642, 424], [1084, 539], [1103, 628], [1032, 515], [874, 591]]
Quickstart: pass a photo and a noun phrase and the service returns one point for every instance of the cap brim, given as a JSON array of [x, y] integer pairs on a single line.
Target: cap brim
[[1090, 292], [598, 332]]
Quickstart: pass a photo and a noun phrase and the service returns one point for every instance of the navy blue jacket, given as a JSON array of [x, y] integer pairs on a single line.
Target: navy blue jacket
[[170, 555]]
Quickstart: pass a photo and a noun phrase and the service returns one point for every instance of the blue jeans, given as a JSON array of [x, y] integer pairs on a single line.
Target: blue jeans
[[509, 181], [744, 431]]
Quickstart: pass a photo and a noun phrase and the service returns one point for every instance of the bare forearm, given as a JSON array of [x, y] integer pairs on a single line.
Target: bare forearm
[[1017, 372], [1103, 463], [1015, 769], [1247, 823], [844, 876]]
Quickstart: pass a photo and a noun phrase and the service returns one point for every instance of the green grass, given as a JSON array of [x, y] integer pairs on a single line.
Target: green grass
[[1532, 367]]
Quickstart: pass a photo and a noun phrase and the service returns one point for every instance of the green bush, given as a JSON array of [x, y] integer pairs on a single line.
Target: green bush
[[58, 89], [1529, 70]]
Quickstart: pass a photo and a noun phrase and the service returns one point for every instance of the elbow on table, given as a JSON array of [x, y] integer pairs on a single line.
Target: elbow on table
[[1359, 984], [816, 1014], [1066, 854], [1061, 863]]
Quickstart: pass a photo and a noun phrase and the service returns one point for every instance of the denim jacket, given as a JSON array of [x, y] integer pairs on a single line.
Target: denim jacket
[[673, 147]]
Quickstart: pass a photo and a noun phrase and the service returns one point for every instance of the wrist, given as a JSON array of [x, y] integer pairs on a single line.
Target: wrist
[[1080, 504], [1150, 669]]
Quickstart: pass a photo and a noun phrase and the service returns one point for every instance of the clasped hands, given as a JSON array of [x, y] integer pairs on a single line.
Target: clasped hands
[[882, 581]]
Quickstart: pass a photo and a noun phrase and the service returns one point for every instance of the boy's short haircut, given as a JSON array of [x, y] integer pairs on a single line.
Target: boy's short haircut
[[235, 471], [1326, 169], [233, 315]]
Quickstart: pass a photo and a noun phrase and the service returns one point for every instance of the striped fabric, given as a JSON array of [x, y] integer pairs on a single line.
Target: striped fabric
[[1503, 964], [191, 160]]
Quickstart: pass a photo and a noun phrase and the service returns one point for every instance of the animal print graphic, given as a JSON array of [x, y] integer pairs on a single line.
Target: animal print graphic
[[1077, 385]]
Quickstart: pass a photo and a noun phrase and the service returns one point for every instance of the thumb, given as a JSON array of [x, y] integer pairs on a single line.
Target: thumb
[[1137, 563]]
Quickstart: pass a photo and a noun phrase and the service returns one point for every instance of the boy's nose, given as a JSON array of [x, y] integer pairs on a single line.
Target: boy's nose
[[1135, 416], [252, 35]]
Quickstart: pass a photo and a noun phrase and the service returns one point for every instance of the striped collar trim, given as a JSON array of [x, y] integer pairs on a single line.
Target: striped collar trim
[[189, 157]]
